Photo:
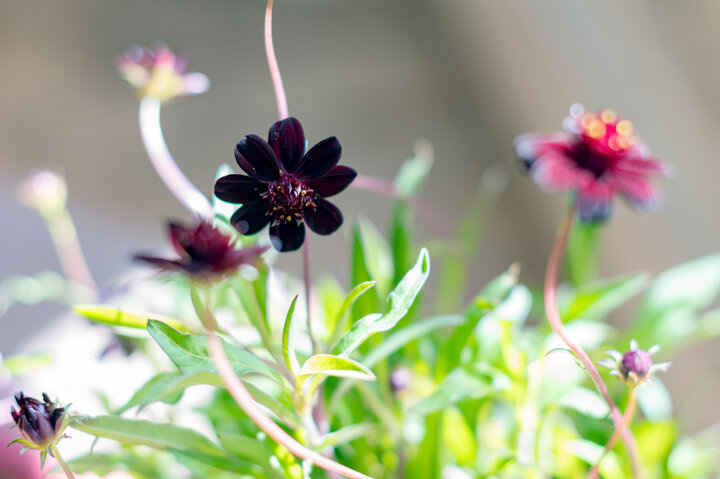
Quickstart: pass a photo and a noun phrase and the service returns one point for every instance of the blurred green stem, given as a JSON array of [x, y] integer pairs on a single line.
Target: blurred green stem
[[64, 237], [553, 315], [61, 462]]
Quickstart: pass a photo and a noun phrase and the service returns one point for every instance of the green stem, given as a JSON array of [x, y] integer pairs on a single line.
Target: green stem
[[61, 462]]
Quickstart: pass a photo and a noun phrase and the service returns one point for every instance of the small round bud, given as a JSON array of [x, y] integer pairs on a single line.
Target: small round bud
[[40, 423], [638, 362], [44, 191]]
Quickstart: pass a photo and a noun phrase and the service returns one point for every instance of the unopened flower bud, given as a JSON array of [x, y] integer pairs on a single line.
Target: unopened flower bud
[[40, 423], [400, 379], [635, 366], [44, 191], [638, 362]]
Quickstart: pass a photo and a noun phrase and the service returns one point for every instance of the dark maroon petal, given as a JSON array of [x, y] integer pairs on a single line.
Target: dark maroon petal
[[239, 189], [287, 140], [334, 181], [251, 217], [325, 219], [162, 263], [180, 237], [594, 202], [287, 236], [320, 159], [257, 159]]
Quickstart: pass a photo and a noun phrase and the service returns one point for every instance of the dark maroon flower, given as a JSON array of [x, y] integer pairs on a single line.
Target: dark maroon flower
[[204, 251], [40, 423], [286, 186], [597, 156]]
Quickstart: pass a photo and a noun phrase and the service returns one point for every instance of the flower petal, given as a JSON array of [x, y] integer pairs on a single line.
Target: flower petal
[[594, 202], [639, 192], [334, 181], [180, 237], [555, 172], [162, 263], [287, 236], [239, 189], [325, 219], [251, 217], [257, 159], [287, 140], [320, 159], [531, 146]]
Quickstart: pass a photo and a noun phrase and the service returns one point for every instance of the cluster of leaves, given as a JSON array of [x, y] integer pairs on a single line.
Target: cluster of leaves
[[394, 392]]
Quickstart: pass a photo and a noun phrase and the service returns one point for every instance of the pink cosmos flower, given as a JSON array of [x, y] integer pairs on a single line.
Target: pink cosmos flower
[[597, 156]]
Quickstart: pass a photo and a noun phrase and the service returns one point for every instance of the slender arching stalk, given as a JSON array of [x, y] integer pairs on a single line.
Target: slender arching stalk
[[282, 105], [627, 419], [553, 315]]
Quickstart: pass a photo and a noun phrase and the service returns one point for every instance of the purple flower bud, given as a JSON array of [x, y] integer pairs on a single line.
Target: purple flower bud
[[636, 361], [38, 422], [400, 378]]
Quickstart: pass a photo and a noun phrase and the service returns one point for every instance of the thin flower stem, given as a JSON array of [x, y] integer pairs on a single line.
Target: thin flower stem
[[306, 279], [61, 462], [263, 421], [627, 419], [72, 260], [553, 315], [377, 185], [164, 163], [282, 104]]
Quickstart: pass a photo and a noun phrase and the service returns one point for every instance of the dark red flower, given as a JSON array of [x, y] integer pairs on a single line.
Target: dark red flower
[[204, 251], [286, 186], [597, 156], [39, 422]]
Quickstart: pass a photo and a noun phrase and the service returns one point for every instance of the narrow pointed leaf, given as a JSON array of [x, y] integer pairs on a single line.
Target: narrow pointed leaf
[[330, 365], [288, 340], [116, 317]]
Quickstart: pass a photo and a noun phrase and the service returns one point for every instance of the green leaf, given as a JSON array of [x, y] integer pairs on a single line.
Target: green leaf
[[288, 340], [377, 255], [693, 285], [458, 437], [336, 366], [655, 401], [168, 388], [117, 317], [400, 300], [401, 240], [189, 353], [206, 465], [246, 448], [135, 432], [595, 300], [460, 385], [359, 273], [350, 299], [414, 171], [585, 401], [413, 331], [19, 365], [347, 434]]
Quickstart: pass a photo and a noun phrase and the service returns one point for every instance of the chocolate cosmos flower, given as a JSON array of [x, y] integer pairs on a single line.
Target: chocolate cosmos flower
[[597, 156], [40, 423], [286, 188], [205, 252]]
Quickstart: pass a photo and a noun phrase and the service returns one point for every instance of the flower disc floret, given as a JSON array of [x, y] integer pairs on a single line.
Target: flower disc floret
[[285, 187], [597, 156]]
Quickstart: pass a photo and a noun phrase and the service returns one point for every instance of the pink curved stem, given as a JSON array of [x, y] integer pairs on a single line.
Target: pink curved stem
[[248, 404], [553, 315], [282, 105], [627, 419]]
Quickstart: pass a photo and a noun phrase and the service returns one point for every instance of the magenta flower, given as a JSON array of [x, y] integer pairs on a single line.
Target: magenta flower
[[205, 252], [160, 73], [286, 186], [40, 423], [597, 156]]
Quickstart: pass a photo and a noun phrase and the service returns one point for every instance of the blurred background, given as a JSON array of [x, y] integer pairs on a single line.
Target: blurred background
[[468, 75]]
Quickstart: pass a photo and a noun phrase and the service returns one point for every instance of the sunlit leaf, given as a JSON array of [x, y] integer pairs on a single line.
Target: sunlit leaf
[[168, 388], [117, 317], [595, 300], [330, 365], [400, 300], [288, 340]]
